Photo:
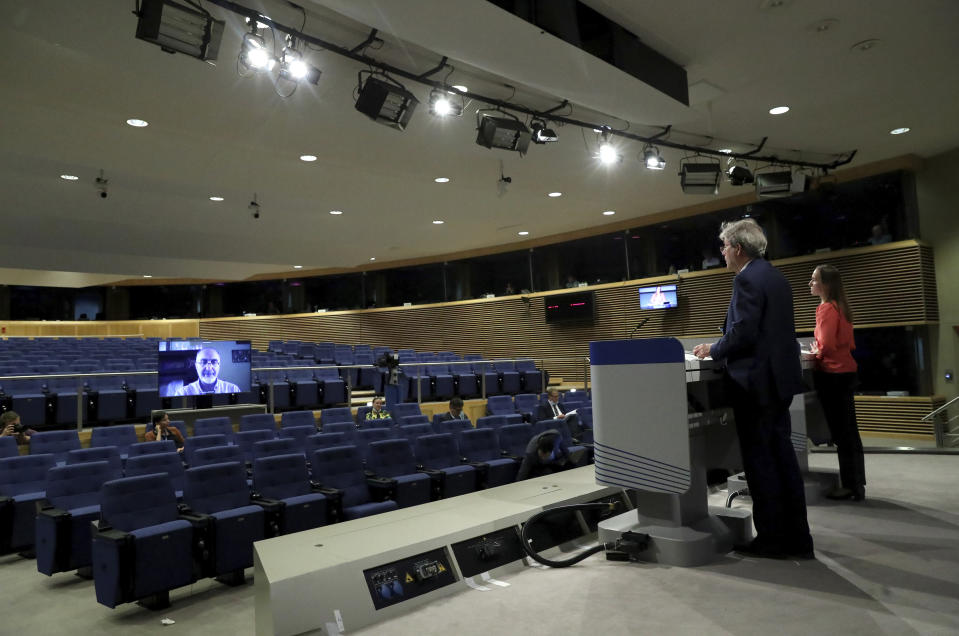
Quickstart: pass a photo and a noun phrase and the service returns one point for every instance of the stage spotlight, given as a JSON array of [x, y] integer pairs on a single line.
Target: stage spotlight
[[700, 178], [254, 55], [770, 185], [446, 103], [386, 103], [293, 67], [652, 158], [739, 175], [607, 153], [542, 134], [507, 132], [176, 28]]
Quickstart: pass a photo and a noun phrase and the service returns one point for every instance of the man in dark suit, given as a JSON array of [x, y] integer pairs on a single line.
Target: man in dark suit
[[455, 412], [763, 373], [551, 410]]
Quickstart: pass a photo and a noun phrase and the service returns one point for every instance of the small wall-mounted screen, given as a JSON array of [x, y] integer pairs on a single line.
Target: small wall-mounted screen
[[658, 297], [569, 307], [198, 367]]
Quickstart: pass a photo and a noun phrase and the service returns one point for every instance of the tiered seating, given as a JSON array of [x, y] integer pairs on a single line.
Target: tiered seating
[[393, 460], [481, 449], [438, 455], [284, 479], [22, 484], [339, 472]]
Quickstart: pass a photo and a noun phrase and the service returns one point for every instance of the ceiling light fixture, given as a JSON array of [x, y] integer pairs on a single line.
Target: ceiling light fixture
[[506, 133], [542, 134], [699, 177], [138, 123], [739, 175], [218, 199], [176, 28], [607, 154], [778, 110], [523, 233], [307, 158], [385, 101], [438, 222], [609, 212], [460, 88], [372, 258], [69, 177], [293, 67], [770, 185], [254, 55], [555, 194], [446, 103], [336, 212], [726, 151], [899, 131], [652, 158], [442, 179], [297, 267], [148, 275]]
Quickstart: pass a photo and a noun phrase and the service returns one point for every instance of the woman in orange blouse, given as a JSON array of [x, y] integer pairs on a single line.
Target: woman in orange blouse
[[835, 378]]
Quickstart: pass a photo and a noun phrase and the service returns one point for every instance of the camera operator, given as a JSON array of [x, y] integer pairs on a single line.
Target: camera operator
[[10, 426]]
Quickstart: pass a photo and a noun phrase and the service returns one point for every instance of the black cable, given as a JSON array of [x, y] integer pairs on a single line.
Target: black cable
[[528, 548]]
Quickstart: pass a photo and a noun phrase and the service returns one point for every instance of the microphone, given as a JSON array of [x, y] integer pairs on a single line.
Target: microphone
[[641, 323]]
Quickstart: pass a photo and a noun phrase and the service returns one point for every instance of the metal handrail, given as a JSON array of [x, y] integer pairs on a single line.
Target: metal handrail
[[945, 406]]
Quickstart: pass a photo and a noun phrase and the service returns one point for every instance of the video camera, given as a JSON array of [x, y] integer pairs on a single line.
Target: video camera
[[391, 364]]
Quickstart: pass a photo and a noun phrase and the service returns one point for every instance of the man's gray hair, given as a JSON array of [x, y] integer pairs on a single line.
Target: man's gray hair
[[745, 233]]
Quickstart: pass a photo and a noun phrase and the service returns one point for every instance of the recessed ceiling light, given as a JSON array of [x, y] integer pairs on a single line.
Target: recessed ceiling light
[[726, 151], [73, 177], [823, 25], [555, 194], [778, 110], [297, 267], [148, 275], [442, 179], [372, 258], [138, 123], [523, 233], [307, 158], [460, 88], [865, 45], [899, 131], [336, 212], [216, 198], [438, 222], [609, 212]]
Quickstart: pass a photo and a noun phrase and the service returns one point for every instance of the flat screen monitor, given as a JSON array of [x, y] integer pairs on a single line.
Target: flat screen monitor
[[576, 306], [658, 297], [200, 367]]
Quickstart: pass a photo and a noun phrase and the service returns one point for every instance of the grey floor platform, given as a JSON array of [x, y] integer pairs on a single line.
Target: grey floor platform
[[887, 566]]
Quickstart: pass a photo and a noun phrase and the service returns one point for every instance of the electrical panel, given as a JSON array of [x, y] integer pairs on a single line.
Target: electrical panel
[[407, 578], [485, 552]]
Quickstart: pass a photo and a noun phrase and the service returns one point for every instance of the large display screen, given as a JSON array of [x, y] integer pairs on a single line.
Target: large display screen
[[659, 297], [199, 367], [577, 306]]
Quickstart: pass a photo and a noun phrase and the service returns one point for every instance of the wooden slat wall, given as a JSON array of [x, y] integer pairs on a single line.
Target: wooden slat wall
[[888, 285], [186, 328], [896, 416]]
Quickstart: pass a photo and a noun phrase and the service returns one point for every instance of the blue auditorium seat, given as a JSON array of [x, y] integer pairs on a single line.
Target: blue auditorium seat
[[246, 439], [304, 387], [214, 426], [142, 549], [326, 440], [168, 463], [499, 405], [336, 414], [274, 447], [526, 404], [454, 427], [258, 422], [8, 447], [491, 421], [56, 443], [485, 373], [297, 418], [230, 522], [513, 439], [339, 427], [366, 436], [339, 472], [216, 455], [407, 420], [393, 459], [108, 396], [480, 446], [23, 480], [285, 478], [332, 388], [122, 436], [145, 396], [63, 523], [440, 377], [411, 431], [438, 455], [531, 379], [509, 377], [297, 434], [108, 454], [405, 410], [194, 444], [151, 448]]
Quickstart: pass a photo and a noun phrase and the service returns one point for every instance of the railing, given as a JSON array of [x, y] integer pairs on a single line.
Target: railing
[[946, 434]]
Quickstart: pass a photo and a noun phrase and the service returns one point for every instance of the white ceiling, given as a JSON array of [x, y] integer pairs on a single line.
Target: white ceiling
[[73, 73]]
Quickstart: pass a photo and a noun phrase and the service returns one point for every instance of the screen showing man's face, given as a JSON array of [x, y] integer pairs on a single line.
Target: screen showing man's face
[[208, 365]]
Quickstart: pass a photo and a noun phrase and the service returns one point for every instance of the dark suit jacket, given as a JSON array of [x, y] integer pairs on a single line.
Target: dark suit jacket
[[759, 340], [446, 417], [545, 412]]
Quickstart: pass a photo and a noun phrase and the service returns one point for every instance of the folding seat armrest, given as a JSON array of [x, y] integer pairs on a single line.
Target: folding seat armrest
[[123, 543], [334, 501], [43, 504], [204, 541], [273, 513], [437, 481], [382, 488]]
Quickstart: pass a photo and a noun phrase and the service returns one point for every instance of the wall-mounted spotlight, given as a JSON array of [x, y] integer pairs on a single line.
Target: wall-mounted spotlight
[[541, 133], [293, 67], [505, 132], [385, 102], [652, 159], [607, 153], [176, 28], [776, 184], [254, 55], [446, 103], [739, 175], [700, 178]]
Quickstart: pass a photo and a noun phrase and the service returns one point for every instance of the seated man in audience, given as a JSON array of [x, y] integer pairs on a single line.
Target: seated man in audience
[[378, 412], [163, 431], [546, 453], [10, 426], [208, 371], [455, 412], [551, 410]]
